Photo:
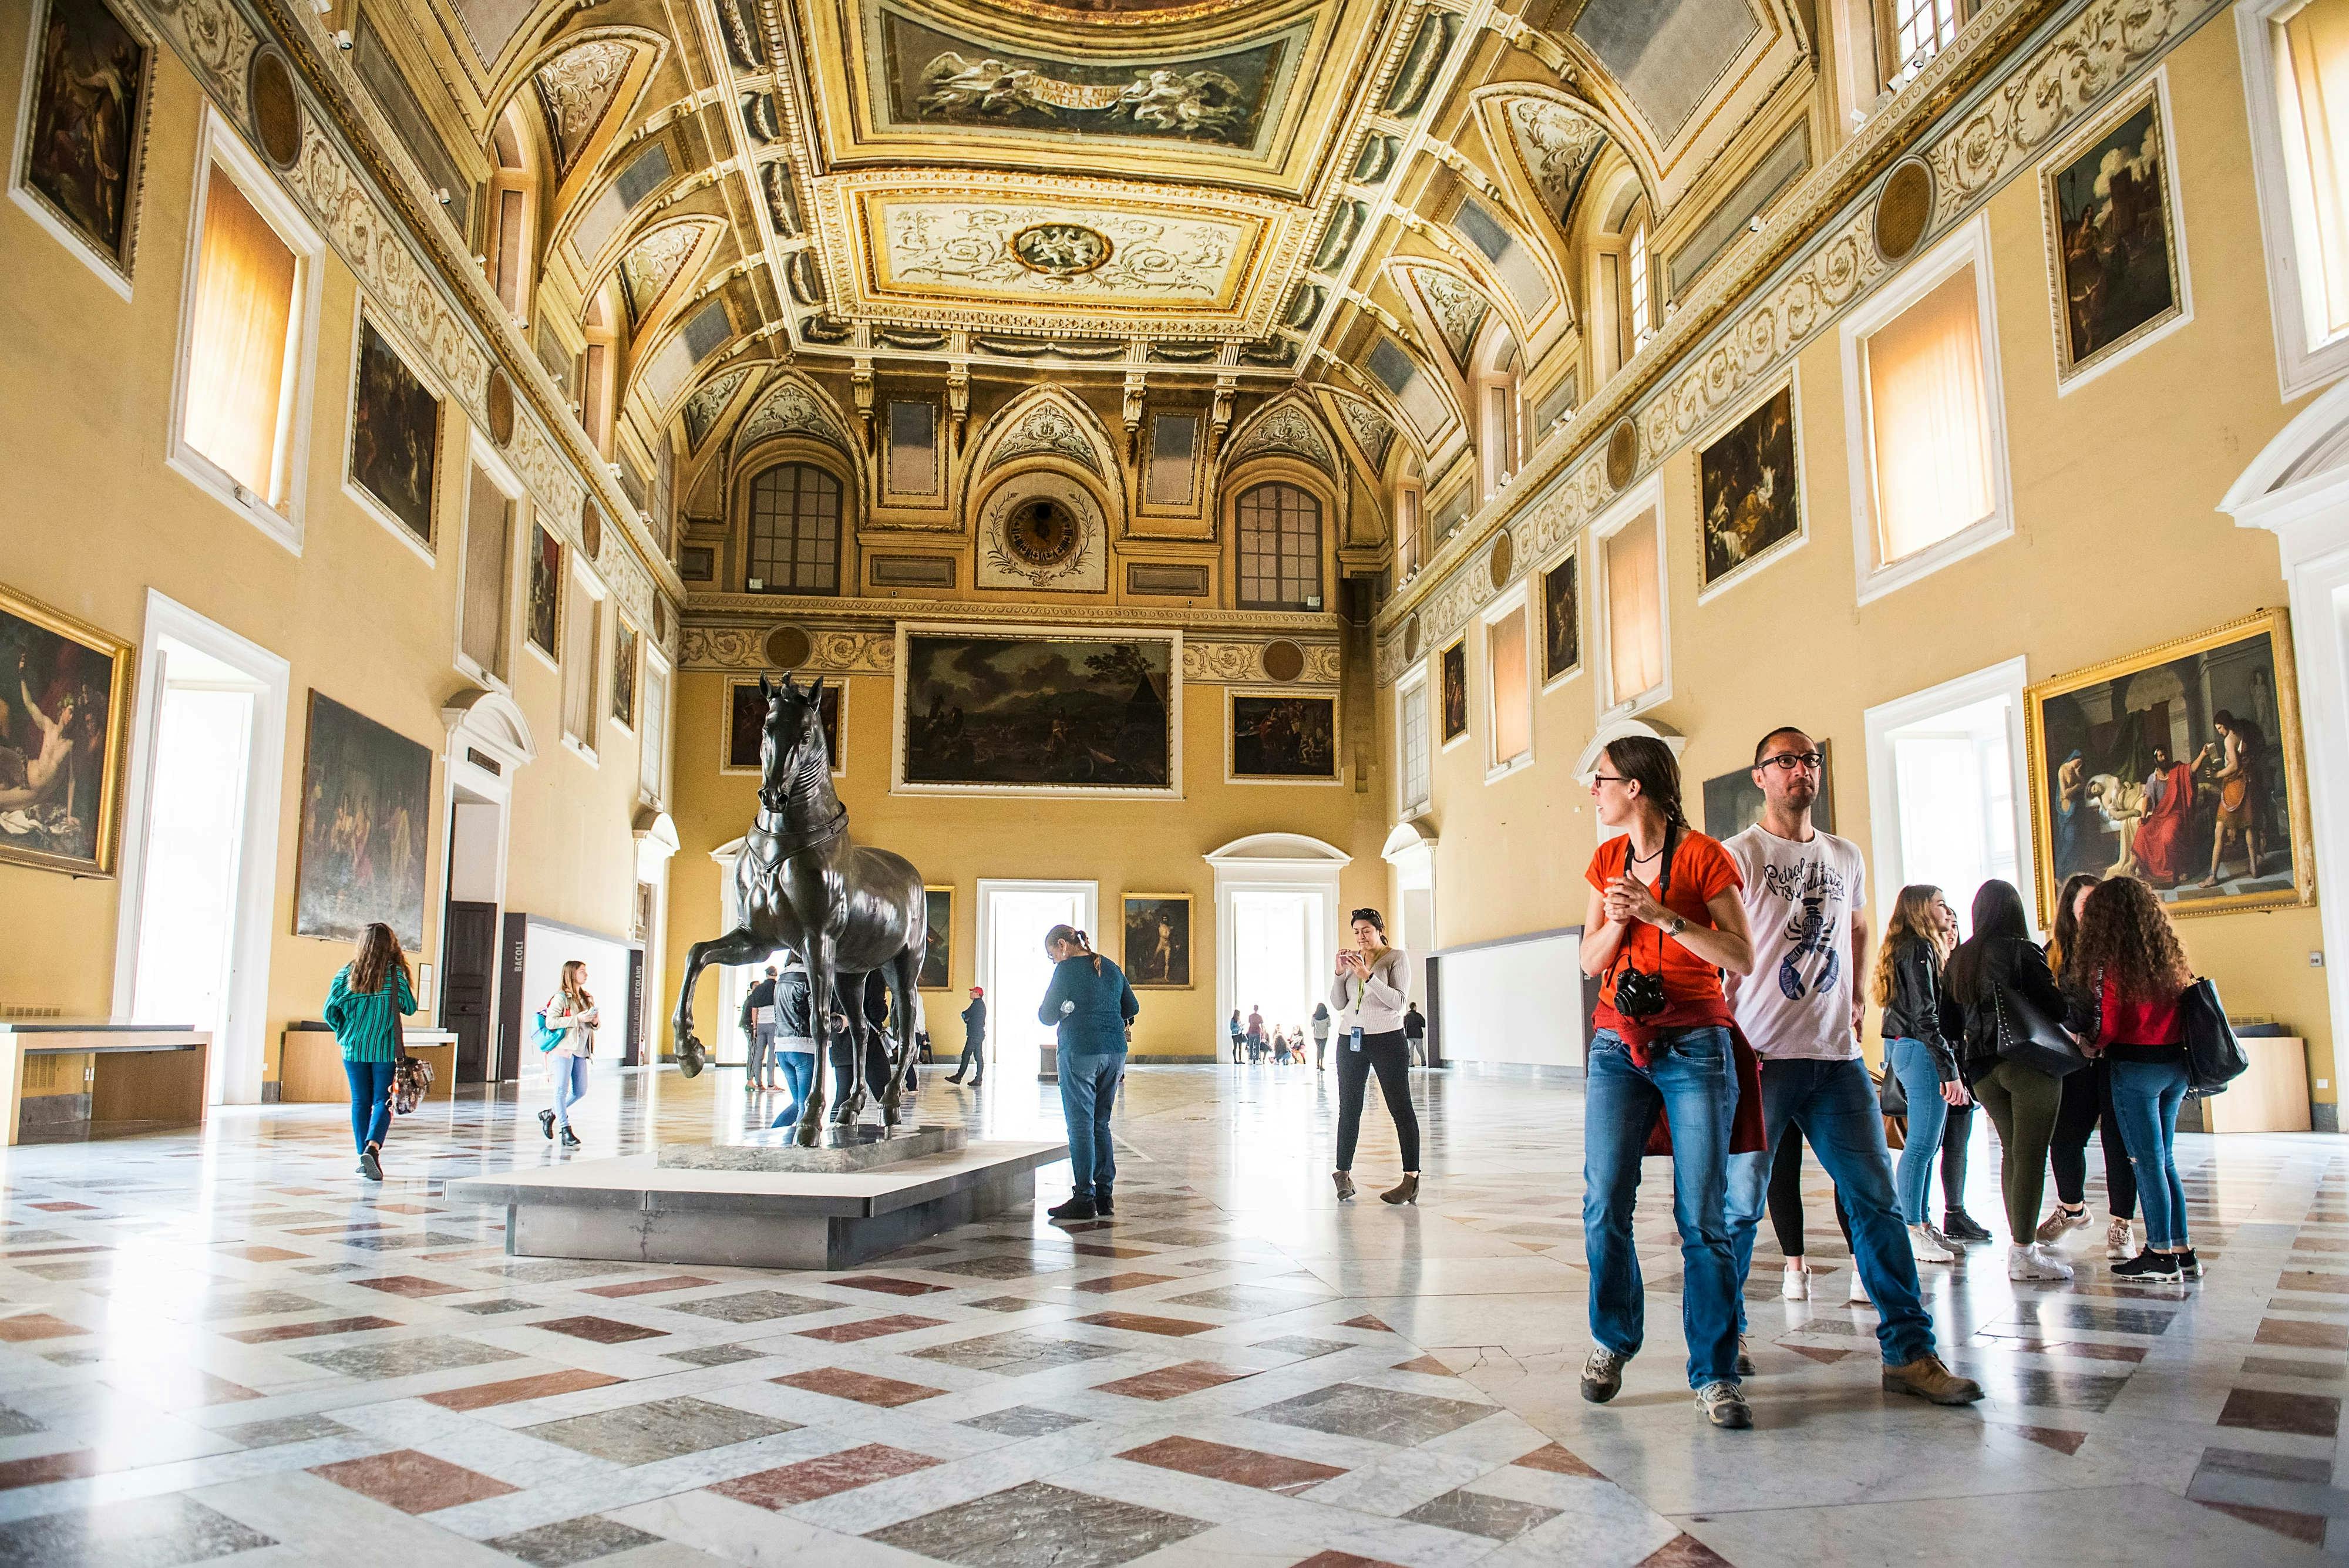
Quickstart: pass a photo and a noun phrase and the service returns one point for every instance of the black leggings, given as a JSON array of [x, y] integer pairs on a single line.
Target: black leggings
[[1392, 1057], [1786, 1194], [1956, 1133], [2088, 1105]]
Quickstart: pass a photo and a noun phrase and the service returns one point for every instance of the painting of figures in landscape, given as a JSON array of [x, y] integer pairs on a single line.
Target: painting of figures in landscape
[[746, 725], [2115, 238], [1284, 737], [1561, 623], [545, 590], [1748, 488], [2179, 766], [1455, 673], [63, 696], [625, 640], [394, 434], [1051, 713], [937, 946], [81, 156], [366, 812], [1158, 942]]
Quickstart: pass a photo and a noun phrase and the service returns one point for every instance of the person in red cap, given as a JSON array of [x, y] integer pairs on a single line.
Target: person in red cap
[[974, 1035]]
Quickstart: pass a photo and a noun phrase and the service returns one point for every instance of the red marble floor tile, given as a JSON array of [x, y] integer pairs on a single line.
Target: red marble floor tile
[[262, 1254], [1557, 1460], [2318, 1283], [1684, 1551], [788, 1485], [1366, 1321], [36, 1325], [1142, 1322], [2311, 1414], [12, 1254], [1342, 1560], [275, 1332], [2308, 1527], [1242, 1466], [1111, 1250], [649, 1287], [406, 1208], [2302, 1335], [46, 1468], [1173, 1382], [410, 1285], [1427, 1363], [340, 1229], [2055, 1438], [862, 1386], [869, 1328], [512, 1390], [1124, 1282], [601, 1330], [411, 1481], [1825, 1358], [887, 1286], [61, 1206]]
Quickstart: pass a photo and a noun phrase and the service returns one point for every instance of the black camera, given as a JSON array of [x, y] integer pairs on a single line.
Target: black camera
[[1639, 992]]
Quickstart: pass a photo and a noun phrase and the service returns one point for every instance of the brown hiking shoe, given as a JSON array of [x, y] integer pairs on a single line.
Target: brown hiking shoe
[[1928, 1379]]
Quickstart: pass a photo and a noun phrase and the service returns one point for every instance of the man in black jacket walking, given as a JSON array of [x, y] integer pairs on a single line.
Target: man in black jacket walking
[[974, 1036]]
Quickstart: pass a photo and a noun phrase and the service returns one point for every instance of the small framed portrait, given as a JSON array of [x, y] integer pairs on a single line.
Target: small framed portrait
[[937, 946], [394, 457], [1562, 607], [82, 137], [1733, 801], [1158, 942], [746, 725], [546, 623], [1280, 737], [64, 699], [1750, 491], [626, 643], [2115, 249], [1452, 687]]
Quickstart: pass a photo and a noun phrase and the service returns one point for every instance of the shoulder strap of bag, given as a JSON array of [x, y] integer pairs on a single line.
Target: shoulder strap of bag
[[398, 1033]]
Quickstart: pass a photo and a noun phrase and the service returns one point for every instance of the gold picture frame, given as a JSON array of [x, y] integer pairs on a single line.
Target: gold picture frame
[[2116, 247], [937, 945], [47, 695], [2196, 741], [1168, 958]]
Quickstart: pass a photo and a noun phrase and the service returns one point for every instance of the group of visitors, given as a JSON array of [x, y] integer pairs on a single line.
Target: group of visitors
[[1728, 1033], [1251, 1042]]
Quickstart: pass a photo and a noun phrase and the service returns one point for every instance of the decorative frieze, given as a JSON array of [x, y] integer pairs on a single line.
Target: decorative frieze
[[833, 650]]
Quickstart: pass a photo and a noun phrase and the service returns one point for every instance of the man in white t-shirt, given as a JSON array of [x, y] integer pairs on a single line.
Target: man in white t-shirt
[[1805, 894]]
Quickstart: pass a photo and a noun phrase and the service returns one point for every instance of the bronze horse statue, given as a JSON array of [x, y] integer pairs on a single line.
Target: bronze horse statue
[[804, 884]]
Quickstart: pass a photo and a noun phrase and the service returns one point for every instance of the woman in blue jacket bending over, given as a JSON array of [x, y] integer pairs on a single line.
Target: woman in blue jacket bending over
[[1094, 1008]]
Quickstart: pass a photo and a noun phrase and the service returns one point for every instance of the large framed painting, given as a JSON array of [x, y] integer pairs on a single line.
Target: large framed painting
[[84, 129], [1561, 602], [2180, 766], [367, 811], [1733, 801], [1280, 737], [1027, 709], [937, 946], [394, 445], [746, 725], [1158, 942], [1451, 682], [626, 643], [546, 623], [64, 701], [1750, 491], [2118, 270]]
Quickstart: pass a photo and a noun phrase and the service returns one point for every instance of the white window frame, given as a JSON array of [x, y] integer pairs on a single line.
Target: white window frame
[[657, 746], [1968, 243], [218, 143], [2006, 680], [484, 454], [2304, 360], [362, 317], [1413, 684], [581, 746], [1515, 601], [1645, 499]]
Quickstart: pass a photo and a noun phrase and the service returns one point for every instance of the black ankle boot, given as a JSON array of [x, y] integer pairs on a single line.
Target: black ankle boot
[[1960, 1226]]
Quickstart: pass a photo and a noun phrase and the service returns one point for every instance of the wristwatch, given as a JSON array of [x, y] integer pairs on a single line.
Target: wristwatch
[[1679, 923]]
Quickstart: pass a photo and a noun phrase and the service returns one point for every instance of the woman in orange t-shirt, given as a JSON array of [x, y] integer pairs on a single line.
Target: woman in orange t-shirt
[[1665, 920]]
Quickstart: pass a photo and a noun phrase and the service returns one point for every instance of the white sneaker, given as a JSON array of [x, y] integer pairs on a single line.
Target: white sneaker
[[2035, 1263], [1859, 1296], [1929, 1248], [2120, 1242], [1795, 1284]]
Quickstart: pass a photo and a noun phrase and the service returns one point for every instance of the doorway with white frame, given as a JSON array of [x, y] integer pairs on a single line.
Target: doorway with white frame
[[1945, 788], [1013, 916], [1277, 924]]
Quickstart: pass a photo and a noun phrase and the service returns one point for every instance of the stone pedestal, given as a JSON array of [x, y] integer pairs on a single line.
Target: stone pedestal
[[860, 1147]]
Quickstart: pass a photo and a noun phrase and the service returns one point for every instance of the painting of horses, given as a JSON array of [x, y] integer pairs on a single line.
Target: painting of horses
[[1158, 942], [81, 149], [367, 811], [1750, 490], [546, 590], [937, 948], [2112, 232], [746, 720], [1072, 714], [1283, 738], [64, 697], [2179, 765], [394, 434]]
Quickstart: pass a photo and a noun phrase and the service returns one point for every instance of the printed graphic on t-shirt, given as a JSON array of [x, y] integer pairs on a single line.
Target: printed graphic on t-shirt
[[1800, 900], [1820, 894]]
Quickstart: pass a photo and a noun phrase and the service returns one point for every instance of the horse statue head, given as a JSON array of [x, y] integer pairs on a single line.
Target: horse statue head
[[792, 741]]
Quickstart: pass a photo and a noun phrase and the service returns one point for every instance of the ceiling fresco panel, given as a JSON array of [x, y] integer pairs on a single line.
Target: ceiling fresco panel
[[1667, 53]]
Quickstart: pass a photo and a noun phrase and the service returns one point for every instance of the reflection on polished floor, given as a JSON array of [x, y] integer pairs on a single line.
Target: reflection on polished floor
[[228, 1348]]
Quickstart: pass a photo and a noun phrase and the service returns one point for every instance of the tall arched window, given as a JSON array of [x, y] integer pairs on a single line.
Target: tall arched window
[[1280, 548], [794, 531], [507, 253]]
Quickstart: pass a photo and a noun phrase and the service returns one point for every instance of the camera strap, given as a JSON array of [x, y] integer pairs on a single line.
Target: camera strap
[[1663, 886]]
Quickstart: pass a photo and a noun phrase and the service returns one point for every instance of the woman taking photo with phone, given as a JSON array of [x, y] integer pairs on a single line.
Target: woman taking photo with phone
[[1665, 918], [1368, 993], [359, 1009]]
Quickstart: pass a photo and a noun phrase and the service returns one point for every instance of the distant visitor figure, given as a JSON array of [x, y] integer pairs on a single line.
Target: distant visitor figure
[[361, 1011]]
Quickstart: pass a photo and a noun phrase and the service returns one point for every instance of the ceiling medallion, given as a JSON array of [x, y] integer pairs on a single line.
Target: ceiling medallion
[[1059, 250], [1042, 532]]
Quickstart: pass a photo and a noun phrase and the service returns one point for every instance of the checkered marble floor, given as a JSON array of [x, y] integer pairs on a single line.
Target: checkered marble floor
[[226, 1347]]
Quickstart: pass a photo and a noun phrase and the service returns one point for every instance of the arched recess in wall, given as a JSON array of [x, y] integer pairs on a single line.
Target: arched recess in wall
[[519, 192], [1041, 523], [1550, 143], [1280, 504], [1611, 226], [1410, 848], [586, 88], [657, 272], [1045, 422], [1496, 371], [1277, 864], [794, 425]]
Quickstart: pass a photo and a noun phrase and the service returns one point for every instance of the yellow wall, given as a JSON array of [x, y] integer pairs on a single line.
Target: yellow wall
[[95, 520], [1144, 847], [2116, 547]]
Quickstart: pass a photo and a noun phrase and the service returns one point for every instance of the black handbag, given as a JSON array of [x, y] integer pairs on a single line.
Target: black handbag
[[2029, 1037], [1891, 1095], [2214, 1057]]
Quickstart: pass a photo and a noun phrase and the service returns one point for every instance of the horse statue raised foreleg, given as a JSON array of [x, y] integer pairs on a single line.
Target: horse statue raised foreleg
[[739, 946]]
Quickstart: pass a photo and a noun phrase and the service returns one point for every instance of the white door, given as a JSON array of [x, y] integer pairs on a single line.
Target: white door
[[1013, 918]]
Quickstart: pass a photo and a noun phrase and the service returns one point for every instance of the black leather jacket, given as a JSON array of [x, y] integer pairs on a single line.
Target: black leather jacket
[[1915, 1011], [2002, 961]]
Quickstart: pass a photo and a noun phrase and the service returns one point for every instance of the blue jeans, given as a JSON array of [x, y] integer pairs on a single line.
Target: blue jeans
[[1835, 1105], [370, 1101], [569, 1083], [1921, 1080], [1688, 1077], [798, 1077], [2145, 1097], [1088, 1094]]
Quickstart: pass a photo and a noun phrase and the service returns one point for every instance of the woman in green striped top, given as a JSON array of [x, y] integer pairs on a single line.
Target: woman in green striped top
[[358, 1009]]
